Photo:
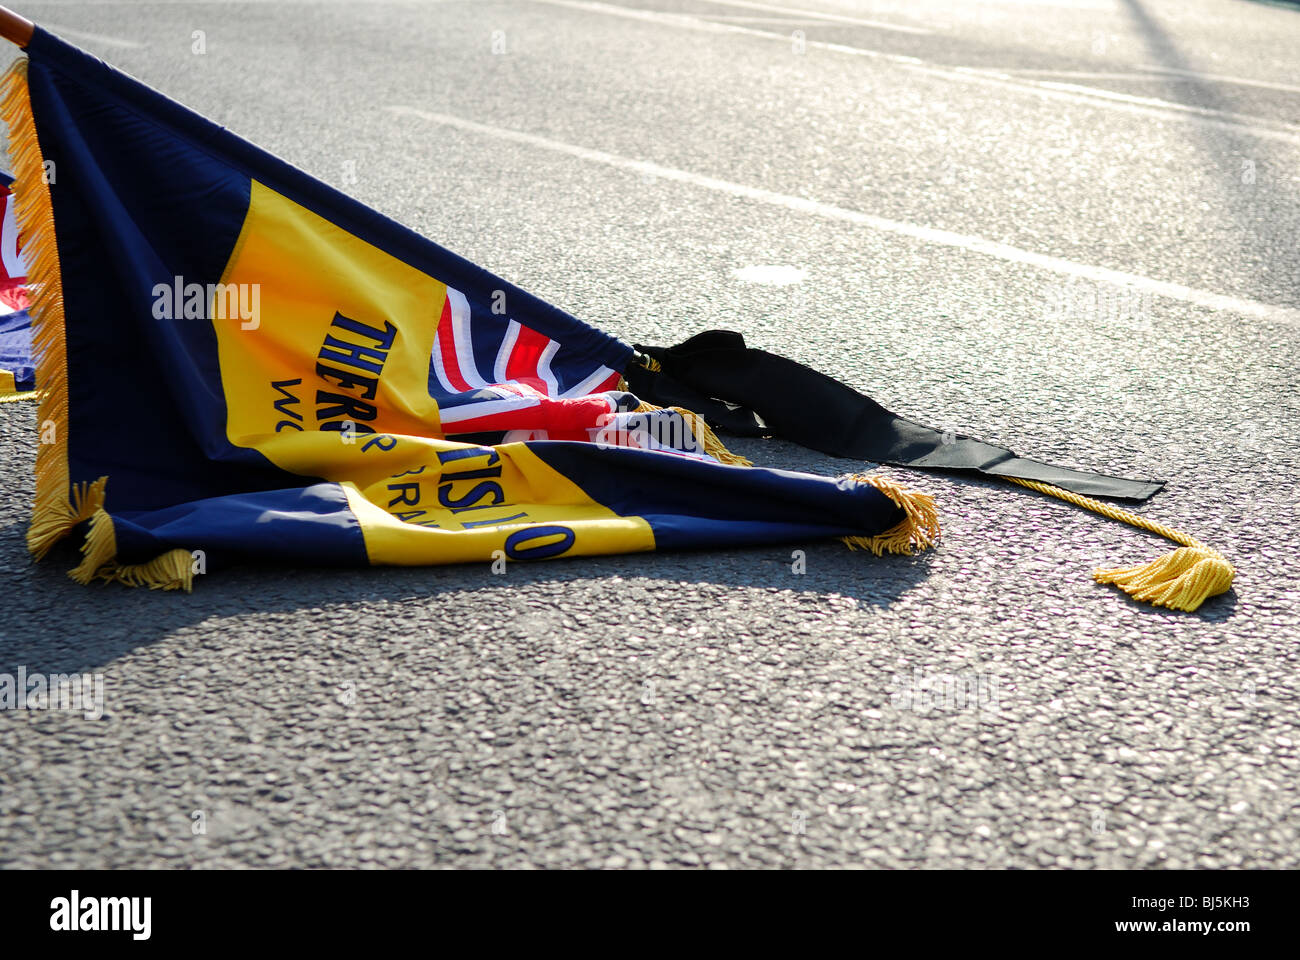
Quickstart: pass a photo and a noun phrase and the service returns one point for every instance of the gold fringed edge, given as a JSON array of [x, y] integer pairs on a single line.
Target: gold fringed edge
[[703, 433], [917, 531], [173, 570], [54, 512], [1181, 580], [16, 397], [99, 549], [50, 526]]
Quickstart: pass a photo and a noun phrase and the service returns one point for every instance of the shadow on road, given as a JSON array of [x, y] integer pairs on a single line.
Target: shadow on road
[[72, 628], [1243, 166], [1285, 4]]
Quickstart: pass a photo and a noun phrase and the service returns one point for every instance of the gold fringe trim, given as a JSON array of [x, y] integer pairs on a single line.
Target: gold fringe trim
[[99, 549], [173, 570], [53, 513], [916, 532], [15, 397], [50, 526], [60, 505], [703, 433], [1181, 580]]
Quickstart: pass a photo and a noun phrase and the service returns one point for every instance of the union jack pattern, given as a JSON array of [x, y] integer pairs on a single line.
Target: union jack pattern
[[493, 375]]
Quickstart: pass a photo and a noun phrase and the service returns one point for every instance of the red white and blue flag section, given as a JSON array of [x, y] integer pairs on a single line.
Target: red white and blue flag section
[[498, 381], [17, 371]]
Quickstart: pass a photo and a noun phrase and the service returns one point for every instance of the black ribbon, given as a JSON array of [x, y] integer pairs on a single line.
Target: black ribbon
[[752, 393]]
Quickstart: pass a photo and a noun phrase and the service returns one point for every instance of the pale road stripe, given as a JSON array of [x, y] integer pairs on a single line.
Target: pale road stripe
[[1224, 78], [1156, 73], [1223, 116], [1082, 75], [783, 21], [818, 14], [946, 238], [86, 37], [1259, 127]]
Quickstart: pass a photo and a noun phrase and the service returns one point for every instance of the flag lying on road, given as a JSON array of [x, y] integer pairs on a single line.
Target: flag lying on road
[[236, 360]]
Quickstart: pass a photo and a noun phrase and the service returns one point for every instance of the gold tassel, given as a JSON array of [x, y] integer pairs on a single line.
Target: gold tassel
[[917, 531], [173, 570], [98, 550], [51, 525], [703, 433], [1181, 580]]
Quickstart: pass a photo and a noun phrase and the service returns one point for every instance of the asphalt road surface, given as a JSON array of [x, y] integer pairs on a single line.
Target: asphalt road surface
[[1066, 226]]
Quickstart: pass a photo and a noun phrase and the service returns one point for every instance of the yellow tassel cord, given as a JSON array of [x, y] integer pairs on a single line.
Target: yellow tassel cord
[[1181, 580], [703, 433], [60, 505], [916, 532], [172, 570], [15, 397]]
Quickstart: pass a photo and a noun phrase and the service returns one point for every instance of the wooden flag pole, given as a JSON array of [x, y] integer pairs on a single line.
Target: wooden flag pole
[[14, 28]]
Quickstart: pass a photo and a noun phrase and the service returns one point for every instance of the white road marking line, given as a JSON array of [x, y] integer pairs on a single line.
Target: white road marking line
[[1224, 116], [1155, 73], [818, 14], [1082, 75], [783, 21], [1223, 78], [1259, 127], [87, 37], [947, 238]]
